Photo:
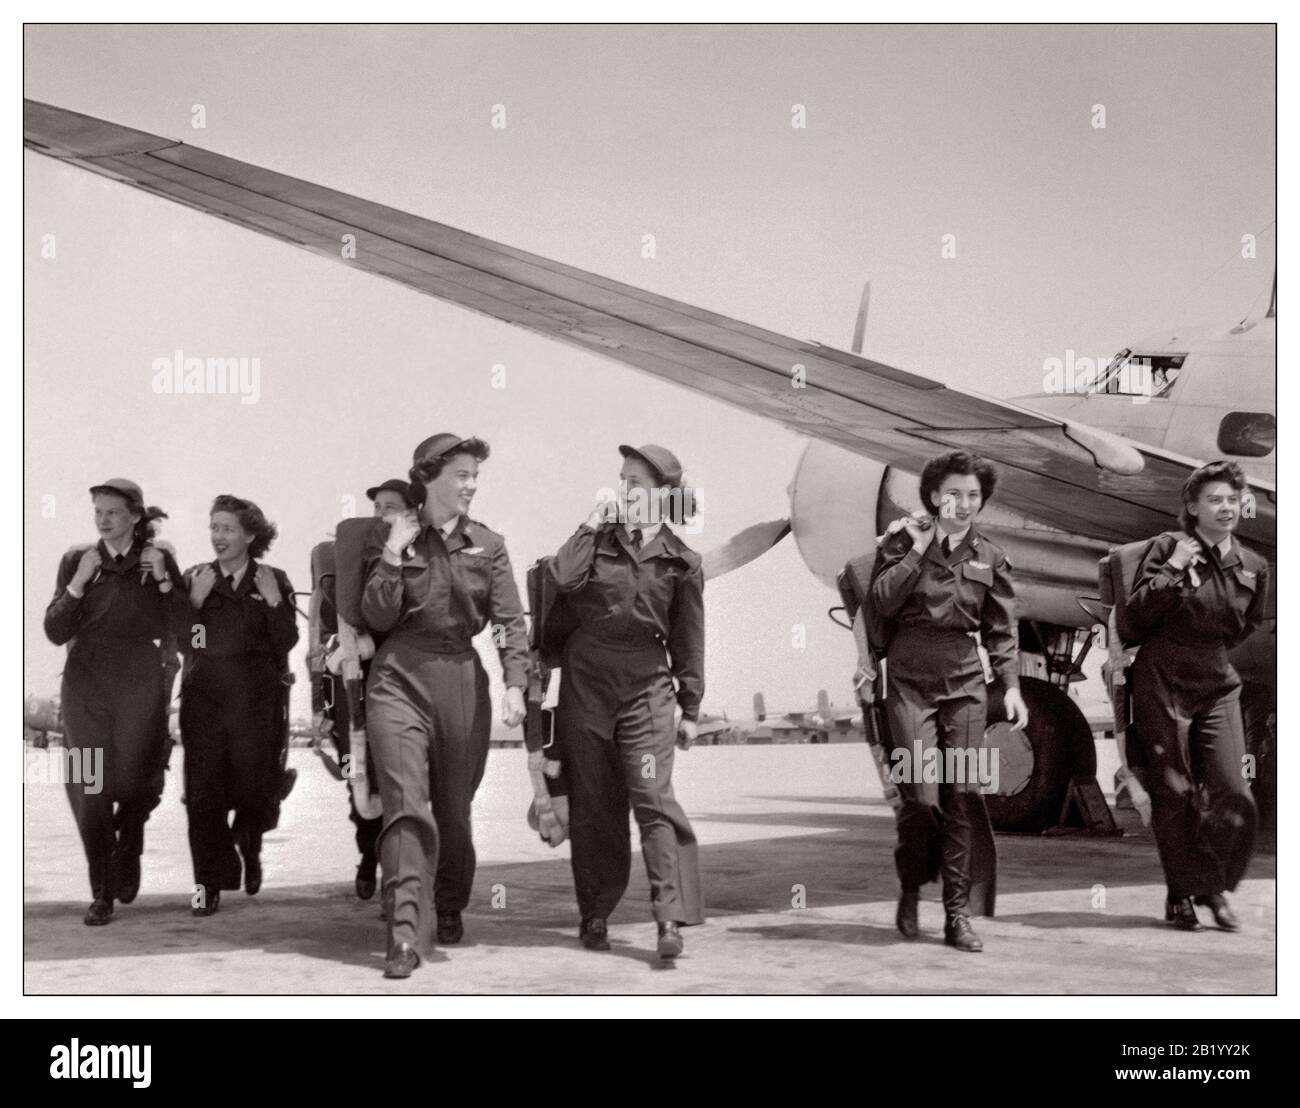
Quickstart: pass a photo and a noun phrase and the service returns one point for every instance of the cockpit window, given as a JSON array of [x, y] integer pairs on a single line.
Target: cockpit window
[[1129, 374], [1248, 434]]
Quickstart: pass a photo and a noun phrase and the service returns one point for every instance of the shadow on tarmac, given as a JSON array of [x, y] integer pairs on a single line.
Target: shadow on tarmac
[[848, 862]]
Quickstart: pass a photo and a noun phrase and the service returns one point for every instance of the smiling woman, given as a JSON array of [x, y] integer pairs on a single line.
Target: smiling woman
[[636, 592], [932, 598], [236, 643], [1197, 594], [434, 579]]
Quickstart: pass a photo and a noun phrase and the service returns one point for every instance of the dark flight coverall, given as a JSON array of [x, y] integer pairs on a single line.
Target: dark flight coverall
[[428, 713], [1187, 710], [113, 700], [236, 650], [936, 694], [640, 617], [335, 707]]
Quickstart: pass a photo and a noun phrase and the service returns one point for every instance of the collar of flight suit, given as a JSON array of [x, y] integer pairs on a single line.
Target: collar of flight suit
[[625, 533], [622, 535], [455, 540], [664, 544], [1226, 560], [245, 583], [968, 548], [106, 558]]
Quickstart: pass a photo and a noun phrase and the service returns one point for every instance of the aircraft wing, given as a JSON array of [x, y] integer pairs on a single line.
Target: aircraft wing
[[1082, 480]]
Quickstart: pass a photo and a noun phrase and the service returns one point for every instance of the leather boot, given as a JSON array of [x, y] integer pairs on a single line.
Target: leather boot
[[211, 903], [130, 844], [1181, 914], [906, 917], [99, 913], [958, 932], [670, 940], [402, 957], [594, 934], [955, 866], [365, 882], [450, 928], [1224, 917], [250, 846]]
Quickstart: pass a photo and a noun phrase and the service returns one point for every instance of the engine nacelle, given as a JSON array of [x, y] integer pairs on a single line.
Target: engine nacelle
[[833, 508]]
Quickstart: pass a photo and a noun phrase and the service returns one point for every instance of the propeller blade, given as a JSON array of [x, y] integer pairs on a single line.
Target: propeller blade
[[743, 547], [860, 327]]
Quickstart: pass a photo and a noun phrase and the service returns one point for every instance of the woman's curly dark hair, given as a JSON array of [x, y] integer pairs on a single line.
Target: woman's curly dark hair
[[1228, 472], [152, 515], [962, 464], [428, 470], [250, 519]]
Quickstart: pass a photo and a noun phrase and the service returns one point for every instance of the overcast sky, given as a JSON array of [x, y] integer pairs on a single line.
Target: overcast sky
[[1068, 237]]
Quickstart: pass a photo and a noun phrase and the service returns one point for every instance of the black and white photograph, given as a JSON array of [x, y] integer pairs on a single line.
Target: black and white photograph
[[640, 510]]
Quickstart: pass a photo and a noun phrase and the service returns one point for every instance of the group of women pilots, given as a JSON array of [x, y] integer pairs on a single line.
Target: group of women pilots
[[631, 686]]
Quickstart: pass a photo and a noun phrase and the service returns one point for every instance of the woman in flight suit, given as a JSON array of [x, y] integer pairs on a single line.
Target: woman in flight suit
[[433, 581], [113, 603], [636, 592], [236, 643], [1195, 596], [933, 595]]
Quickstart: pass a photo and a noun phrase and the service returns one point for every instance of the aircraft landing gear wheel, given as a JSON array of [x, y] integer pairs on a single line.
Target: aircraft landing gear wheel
[[1035, 765]]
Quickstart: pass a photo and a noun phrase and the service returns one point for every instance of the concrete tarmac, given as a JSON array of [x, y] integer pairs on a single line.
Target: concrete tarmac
[[796, 849]]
